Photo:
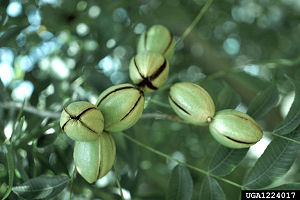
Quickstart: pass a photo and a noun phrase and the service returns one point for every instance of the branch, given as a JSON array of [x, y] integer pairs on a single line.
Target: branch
[[195, 22], [272, 64], [31, 109], [118, 182], [162, 116], [202, 171]]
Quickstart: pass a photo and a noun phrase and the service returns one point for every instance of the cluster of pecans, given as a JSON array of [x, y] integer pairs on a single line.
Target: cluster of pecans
[[149, 69], [119, 107], [230, 128]]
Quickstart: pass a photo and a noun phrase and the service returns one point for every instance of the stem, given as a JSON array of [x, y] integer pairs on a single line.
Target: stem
[[159, 103], [72, 180], [279, 63], [163, 116], [165, 87], [222, 73], [118, 182], [196, 20], [180, 162], [177, 119]]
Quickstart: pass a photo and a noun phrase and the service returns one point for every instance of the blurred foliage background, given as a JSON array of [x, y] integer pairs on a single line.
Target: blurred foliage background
[[53, 52]]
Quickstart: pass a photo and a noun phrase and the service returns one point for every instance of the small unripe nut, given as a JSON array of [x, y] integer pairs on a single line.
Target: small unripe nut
[[94, 159], [192, 103], [121, 105], [157, 39], [235, 129], [82, 121], [148, 70]]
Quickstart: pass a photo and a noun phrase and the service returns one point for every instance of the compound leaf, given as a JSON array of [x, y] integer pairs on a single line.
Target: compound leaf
[[42, 187], [276, 160]]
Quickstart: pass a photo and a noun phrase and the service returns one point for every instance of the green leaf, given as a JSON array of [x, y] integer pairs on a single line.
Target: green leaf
[[292, 119], [263, 102], [19, 121], [18, 130], [42, 187], [30, 159], [46, 140], [228, 98], [276, 160], [252, 82], [3, 7], [226, 160], [288, 186], [180, 184], [11, 168], [211, 190], [21, 170]]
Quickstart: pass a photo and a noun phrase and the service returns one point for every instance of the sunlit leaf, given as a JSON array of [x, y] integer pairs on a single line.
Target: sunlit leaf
[[180, 184], [211, 190], [43, 187], [225, 160], [11, 168], [292, 120], [276, 160], [263, 102]]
